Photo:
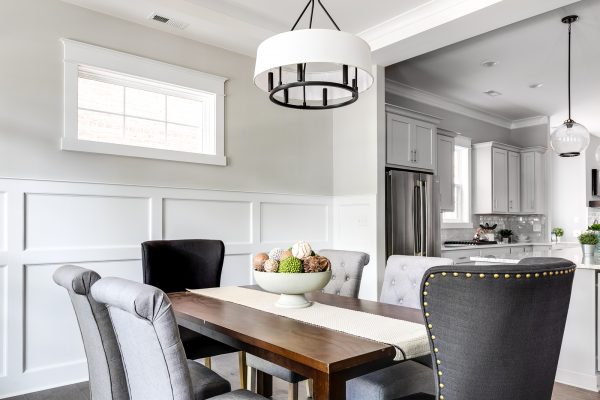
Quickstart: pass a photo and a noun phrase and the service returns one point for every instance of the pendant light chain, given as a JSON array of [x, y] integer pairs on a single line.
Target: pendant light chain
[[311, 3], [569, 73]]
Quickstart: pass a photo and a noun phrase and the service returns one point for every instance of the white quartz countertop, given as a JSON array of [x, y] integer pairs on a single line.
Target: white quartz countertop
[[499, 245], [569, 251]]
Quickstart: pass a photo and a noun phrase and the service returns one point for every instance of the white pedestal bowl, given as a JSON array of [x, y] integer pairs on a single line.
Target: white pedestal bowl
[[292, 287]]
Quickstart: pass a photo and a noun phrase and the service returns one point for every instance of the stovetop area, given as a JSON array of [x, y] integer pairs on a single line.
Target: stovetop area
[[461, 243]]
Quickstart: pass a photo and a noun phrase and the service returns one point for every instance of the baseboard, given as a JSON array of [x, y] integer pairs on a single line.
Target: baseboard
[[577, 379]]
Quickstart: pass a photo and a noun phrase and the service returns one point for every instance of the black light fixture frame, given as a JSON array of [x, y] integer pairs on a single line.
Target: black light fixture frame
[[301, 76], [569, 19]]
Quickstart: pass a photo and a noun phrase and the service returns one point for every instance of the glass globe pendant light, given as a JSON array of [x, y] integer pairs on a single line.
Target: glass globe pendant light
[[570, 139], [313, 69]]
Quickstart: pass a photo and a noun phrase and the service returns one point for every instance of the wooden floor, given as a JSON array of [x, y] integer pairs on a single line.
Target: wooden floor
[[226, 366]]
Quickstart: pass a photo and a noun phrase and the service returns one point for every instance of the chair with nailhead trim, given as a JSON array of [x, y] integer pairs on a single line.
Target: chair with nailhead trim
[[496, 331], [401, 286], [347, 268]]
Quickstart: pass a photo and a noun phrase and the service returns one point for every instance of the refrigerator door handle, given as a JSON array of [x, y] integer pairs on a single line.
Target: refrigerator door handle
[[393, 217], [425, 218], [416, 206]]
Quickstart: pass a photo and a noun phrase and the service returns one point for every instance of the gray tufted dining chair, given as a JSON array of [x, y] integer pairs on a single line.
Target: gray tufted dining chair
[[496, 331], [155, 362], [105, 368], [401, 286], [347, 269]]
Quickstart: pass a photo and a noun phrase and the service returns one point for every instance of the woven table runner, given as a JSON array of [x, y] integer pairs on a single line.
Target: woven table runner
[[409, 338]]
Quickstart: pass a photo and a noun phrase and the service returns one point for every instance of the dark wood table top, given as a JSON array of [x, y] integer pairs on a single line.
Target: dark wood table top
[[290, 343]]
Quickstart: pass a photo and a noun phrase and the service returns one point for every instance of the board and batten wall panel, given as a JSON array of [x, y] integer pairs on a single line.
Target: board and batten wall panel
[[46, 224]]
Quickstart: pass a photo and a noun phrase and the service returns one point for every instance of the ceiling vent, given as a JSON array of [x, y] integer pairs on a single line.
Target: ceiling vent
[[168, 21]]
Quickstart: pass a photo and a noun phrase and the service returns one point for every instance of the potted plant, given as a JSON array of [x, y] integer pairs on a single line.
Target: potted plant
[[558, 233], [588, 240], [505, 234], [595, 227]]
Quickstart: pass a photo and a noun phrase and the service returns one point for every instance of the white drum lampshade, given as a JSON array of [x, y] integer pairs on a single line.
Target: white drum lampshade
[[313, 68]]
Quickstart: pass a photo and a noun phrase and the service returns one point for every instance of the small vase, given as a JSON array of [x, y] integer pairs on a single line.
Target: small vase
[[588, 253], [505, 240], [558, 239]]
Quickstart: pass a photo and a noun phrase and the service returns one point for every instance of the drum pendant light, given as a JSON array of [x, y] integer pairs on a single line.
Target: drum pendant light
[[313, 69], [570, 139]]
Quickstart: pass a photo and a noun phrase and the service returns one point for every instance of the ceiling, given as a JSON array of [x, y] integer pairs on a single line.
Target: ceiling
[[395, 29], [527, 52]]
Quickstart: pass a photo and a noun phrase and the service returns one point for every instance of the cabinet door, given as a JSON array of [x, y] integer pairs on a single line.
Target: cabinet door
[[445, 164], [528, 182], [424, 145], [514, 181], [399, 147], [499, 180]]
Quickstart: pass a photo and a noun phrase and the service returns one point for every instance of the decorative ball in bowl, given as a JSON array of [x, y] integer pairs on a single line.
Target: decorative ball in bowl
[[292, 273]]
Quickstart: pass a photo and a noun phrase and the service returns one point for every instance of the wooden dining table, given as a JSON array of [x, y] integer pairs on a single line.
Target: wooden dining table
[[329, 357]]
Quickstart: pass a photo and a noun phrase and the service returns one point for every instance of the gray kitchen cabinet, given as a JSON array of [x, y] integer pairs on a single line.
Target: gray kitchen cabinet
[[514, 182], [445, 166], [410, 139], [533, 181], [508, 179]]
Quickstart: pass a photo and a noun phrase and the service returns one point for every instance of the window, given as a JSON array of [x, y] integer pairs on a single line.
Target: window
[[461, 215], [116, 103]]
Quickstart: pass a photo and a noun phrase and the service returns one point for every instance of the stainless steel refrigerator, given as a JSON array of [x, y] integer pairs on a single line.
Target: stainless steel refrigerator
[[412, 214]]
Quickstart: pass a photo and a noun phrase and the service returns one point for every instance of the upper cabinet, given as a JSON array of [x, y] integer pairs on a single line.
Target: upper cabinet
[[411, 139], [508, 179], [445, 165]]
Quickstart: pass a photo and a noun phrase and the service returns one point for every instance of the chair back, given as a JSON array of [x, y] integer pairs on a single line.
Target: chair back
[[496, 331], [106, 374], [402, 279], [176, 265], [347, 269], [144, 323]]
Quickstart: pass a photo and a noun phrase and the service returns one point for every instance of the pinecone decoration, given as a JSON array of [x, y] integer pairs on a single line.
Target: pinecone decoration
[[316, 264]]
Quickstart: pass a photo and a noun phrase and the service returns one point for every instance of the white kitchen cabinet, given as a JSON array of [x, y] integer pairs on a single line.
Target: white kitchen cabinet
[[508, 179], [461, 256], [533, 181], [521, 249], [411, 139], [499, 180], [514, 182], [445, 164]]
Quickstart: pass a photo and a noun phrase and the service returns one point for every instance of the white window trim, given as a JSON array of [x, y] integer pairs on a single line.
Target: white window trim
[[464, 142], [78, 53]]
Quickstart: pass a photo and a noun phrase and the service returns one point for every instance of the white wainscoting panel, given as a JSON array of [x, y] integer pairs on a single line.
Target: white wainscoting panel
[[229, 221], [72, 221], [52, 338], [46, 224], [292, 222]]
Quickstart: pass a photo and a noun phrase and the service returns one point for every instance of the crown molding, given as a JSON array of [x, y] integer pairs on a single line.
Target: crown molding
[[435, 100], [532, 121]]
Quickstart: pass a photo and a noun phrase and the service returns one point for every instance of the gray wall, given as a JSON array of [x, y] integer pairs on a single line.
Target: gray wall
[[537, 135], [269, 148]]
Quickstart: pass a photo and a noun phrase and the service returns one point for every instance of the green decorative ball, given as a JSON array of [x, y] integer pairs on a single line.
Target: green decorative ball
[[291, 265]]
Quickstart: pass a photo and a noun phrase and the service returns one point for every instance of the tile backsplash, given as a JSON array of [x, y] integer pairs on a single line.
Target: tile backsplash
[[533, 226]]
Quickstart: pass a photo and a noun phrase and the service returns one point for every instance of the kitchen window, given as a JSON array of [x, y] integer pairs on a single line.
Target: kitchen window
[[117, 103], [461, 215]]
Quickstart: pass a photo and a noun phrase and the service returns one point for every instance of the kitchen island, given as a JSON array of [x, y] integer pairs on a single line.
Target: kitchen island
[[577, 365]]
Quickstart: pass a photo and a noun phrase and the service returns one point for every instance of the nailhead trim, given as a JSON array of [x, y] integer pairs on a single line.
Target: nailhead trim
[[481, 276]]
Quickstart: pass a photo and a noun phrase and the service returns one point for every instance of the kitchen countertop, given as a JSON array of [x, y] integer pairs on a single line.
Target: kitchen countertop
[[499, 245], [569, 251]]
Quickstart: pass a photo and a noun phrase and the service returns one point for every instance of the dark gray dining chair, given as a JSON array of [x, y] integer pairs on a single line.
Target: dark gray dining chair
[[155, 363], [496, 330], [347, 269], [177, 265], [402, 287], [106, 375]]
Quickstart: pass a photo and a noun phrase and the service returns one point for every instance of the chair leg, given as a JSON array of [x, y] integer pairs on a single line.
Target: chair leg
[[309, 388], [243, 369], [252, 379], [208, 362], [292, 391]]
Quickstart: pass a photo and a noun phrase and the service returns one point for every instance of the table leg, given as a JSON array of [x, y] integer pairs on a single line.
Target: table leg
[[329, 387], [264, 384]]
